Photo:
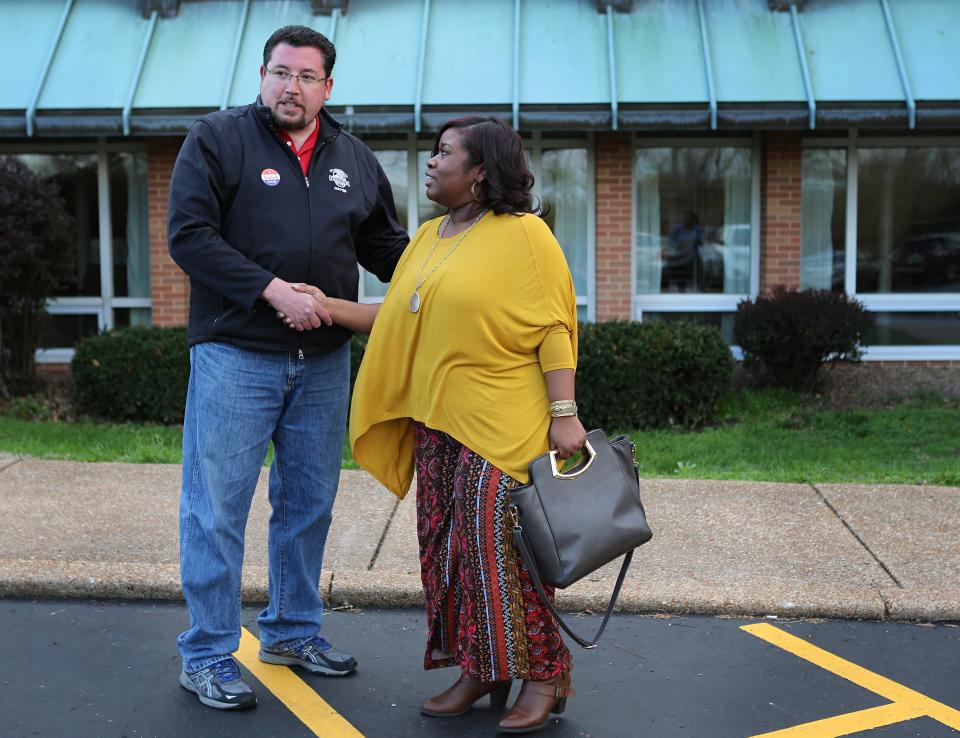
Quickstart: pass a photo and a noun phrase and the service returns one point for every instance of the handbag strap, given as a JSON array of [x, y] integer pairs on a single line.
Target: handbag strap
[[521, 543]]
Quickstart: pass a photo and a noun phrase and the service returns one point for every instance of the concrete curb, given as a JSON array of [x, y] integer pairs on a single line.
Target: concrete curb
[[373, 589]]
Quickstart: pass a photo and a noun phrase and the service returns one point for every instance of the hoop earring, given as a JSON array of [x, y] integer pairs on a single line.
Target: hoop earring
[[473, 191]]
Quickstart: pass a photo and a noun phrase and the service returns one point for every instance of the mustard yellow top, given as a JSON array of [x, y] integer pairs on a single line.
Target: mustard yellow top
[[496, 315]]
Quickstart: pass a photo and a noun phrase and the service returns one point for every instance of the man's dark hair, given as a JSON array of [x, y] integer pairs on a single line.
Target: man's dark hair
[[491, 142], [302, 36]]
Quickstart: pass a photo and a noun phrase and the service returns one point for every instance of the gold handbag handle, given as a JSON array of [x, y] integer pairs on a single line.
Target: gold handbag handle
[[557, 474]]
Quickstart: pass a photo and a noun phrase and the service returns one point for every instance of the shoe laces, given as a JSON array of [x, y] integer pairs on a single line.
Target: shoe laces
[[320, 643], [226, 670]]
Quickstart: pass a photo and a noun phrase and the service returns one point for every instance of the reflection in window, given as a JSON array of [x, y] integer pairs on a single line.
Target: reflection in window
[[394, 163], [908, 222], [58, 331], [915, 329], [564, 190], [76, 177], [73, 315], [126, 317], [823, 227], [721, 321], [693, 215], [131, 241]]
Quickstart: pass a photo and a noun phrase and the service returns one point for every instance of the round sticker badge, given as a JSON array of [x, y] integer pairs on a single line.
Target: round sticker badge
[[270, 177]]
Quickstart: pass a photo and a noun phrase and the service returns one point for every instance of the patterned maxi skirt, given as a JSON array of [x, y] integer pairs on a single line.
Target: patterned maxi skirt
[[483, 612]]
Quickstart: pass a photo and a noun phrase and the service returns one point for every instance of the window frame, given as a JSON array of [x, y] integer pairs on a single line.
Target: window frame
[[904, 302], [104, 305], [692, 302]]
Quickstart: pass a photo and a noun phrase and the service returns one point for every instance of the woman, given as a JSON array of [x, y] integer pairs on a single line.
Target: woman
[[473, 347]]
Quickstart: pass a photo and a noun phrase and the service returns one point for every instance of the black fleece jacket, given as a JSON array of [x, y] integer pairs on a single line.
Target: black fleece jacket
[[241, 213]]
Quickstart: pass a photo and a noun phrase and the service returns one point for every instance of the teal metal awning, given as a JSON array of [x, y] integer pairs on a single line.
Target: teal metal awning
[[115, 67]]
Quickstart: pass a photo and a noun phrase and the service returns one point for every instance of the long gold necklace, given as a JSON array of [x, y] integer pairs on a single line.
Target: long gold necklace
[[415, 299]]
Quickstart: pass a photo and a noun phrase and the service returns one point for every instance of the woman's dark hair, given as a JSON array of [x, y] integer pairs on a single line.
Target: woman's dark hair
[[491, 142], [302, 36]]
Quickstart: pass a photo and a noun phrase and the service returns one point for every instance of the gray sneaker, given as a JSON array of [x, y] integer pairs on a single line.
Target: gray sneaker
[[220, 686], [315, 655]]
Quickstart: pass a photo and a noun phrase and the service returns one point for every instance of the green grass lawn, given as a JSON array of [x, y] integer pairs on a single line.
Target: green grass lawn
[[761, 436], [129, 443], [780, 437]]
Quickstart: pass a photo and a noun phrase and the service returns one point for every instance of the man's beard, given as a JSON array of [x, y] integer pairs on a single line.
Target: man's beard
[[289, 124]]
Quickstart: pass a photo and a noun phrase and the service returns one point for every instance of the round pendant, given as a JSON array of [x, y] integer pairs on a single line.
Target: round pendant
[[414, 301]]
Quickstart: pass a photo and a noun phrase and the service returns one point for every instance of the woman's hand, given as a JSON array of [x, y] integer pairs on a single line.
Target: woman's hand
[[317, 294], [567, 436], [353, 315]]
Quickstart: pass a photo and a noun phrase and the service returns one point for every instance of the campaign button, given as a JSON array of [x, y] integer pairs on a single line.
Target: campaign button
[[270, 177]]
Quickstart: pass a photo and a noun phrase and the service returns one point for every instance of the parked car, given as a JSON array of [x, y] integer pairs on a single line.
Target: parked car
[[933, 258]]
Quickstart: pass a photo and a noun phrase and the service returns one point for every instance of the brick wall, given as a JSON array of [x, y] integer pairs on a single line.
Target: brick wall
[[780, 211], [614, 188], [169, 287]]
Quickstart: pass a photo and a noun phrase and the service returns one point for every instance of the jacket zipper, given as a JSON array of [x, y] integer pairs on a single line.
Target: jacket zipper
[[306, 180]]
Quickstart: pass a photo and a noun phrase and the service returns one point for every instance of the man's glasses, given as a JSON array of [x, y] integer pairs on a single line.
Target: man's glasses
[[306, 79]]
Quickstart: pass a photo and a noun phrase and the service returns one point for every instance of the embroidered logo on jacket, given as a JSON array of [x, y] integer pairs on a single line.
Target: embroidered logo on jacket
[[339, 179]]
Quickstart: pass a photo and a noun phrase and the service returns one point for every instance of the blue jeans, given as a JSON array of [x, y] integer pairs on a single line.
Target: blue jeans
[[237, 402]]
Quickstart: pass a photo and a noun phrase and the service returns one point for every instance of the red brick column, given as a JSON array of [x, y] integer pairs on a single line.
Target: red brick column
[[614, 188], [169, 287], [780, 211]]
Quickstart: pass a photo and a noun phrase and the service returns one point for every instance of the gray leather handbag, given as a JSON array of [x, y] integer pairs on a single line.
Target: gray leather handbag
[[569, 524]]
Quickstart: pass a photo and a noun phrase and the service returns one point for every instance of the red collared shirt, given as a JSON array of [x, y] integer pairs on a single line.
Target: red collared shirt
[[306, 151]]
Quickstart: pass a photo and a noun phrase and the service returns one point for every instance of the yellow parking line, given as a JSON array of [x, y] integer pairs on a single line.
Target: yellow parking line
[[312, 710], [852, 722], [911, 703]]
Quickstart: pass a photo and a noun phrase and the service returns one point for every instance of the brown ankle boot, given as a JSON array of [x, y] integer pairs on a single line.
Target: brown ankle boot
[[535, 703], [458, 699]]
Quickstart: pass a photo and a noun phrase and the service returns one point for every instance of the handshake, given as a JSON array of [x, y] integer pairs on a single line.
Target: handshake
[[301, 307]]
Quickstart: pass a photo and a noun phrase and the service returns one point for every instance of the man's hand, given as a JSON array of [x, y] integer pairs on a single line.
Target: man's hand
[[317, 294], [567, 436], [299, 309]]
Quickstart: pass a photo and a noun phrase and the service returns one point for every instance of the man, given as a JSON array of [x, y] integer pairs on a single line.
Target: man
[[262, 198]]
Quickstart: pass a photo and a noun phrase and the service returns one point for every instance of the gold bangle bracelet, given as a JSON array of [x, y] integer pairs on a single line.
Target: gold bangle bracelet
[[563, 409]]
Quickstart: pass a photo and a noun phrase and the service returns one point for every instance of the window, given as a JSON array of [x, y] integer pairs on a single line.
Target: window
[[915, 329], [695, 230], [908, 222], [130, 238], [104, 189], [76, 178], [823, 219], [723, 322], [394, 164], [693, 219], [896, 246], [564, 180], [564, 174]]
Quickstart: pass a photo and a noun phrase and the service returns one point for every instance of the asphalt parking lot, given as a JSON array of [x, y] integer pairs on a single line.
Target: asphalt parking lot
[[76, 668]]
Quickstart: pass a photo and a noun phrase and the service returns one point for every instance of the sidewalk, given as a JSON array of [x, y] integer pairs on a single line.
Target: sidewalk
[[71, 529]]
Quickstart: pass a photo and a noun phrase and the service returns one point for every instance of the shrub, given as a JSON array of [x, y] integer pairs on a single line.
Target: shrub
[[28, 407], [36, 255], [142, 373], [133, 374], [788, 336], [650, 375], [52, 404]]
